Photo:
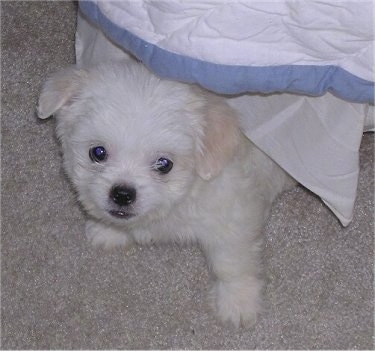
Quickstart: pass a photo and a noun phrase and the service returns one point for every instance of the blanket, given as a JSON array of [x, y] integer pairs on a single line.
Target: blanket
[[304, 72]]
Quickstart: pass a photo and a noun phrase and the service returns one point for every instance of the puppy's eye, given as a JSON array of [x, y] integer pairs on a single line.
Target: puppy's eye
[[163, 165], [98, 154]]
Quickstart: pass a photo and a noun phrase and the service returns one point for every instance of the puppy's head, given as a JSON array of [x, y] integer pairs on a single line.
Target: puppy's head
[[133, 144]]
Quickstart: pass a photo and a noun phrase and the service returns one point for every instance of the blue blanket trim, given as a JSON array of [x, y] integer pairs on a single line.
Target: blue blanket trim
[[226, 79]]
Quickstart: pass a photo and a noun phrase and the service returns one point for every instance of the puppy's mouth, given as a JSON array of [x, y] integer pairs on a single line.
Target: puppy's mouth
[[121, 214]]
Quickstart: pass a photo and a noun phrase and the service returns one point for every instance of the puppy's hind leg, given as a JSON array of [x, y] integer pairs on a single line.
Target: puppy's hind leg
[[108, 237], [236, 294]]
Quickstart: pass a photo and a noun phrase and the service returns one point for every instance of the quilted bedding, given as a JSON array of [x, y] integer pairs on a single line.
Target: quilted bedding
[[231, 47], [319, 54]]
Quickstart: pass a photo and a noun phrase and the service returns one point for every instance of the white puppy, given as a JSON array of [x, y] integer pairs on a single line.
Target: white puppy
[[155, 160]]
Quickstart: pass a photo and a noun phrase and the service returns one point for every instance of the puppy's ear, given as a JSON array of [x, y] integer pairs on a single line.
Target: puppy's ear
[[58, 90], [220, 140]]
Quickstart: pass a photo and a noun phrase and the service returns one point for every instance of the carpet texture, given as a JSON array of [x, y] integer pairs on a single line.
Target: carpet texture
[[57, 292]]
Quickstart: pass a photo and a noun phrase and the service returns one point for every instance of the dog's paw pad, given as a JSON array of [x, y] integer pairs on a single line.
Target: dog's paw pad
[[106, 237], [237, 302]]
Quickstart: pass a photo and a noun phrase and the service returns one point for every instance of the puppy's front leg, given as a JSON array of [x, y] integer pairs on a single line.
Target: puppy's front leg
[[101, 234], [236, 293]]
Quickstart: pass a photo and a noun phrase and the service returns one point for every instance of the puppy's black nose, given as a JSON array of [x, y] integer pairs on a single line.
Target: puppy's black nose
[[123, 195]]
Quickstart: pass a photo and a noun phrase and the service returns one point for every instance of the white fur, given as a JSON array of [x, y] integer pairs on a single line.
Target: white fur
[[218, 192]]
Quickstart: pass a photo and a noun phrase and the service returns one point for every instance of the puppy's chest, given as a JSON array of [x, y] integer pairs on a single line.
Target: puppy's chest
[[183, 223], [195, 218]]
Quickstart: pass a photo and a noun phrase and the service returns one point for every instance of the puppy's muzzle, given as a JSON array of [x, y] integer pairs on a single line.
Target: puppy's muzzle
[[123, 195]]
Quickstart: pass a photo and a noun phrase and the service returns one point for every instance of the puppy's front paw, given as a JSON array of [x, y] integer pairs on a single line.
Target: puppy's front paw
[[105, 236], [238, 301]]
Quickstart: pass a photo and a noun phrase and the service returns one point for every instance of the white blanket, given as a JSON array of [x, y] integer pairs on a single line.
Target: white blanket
[[299, 48]]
